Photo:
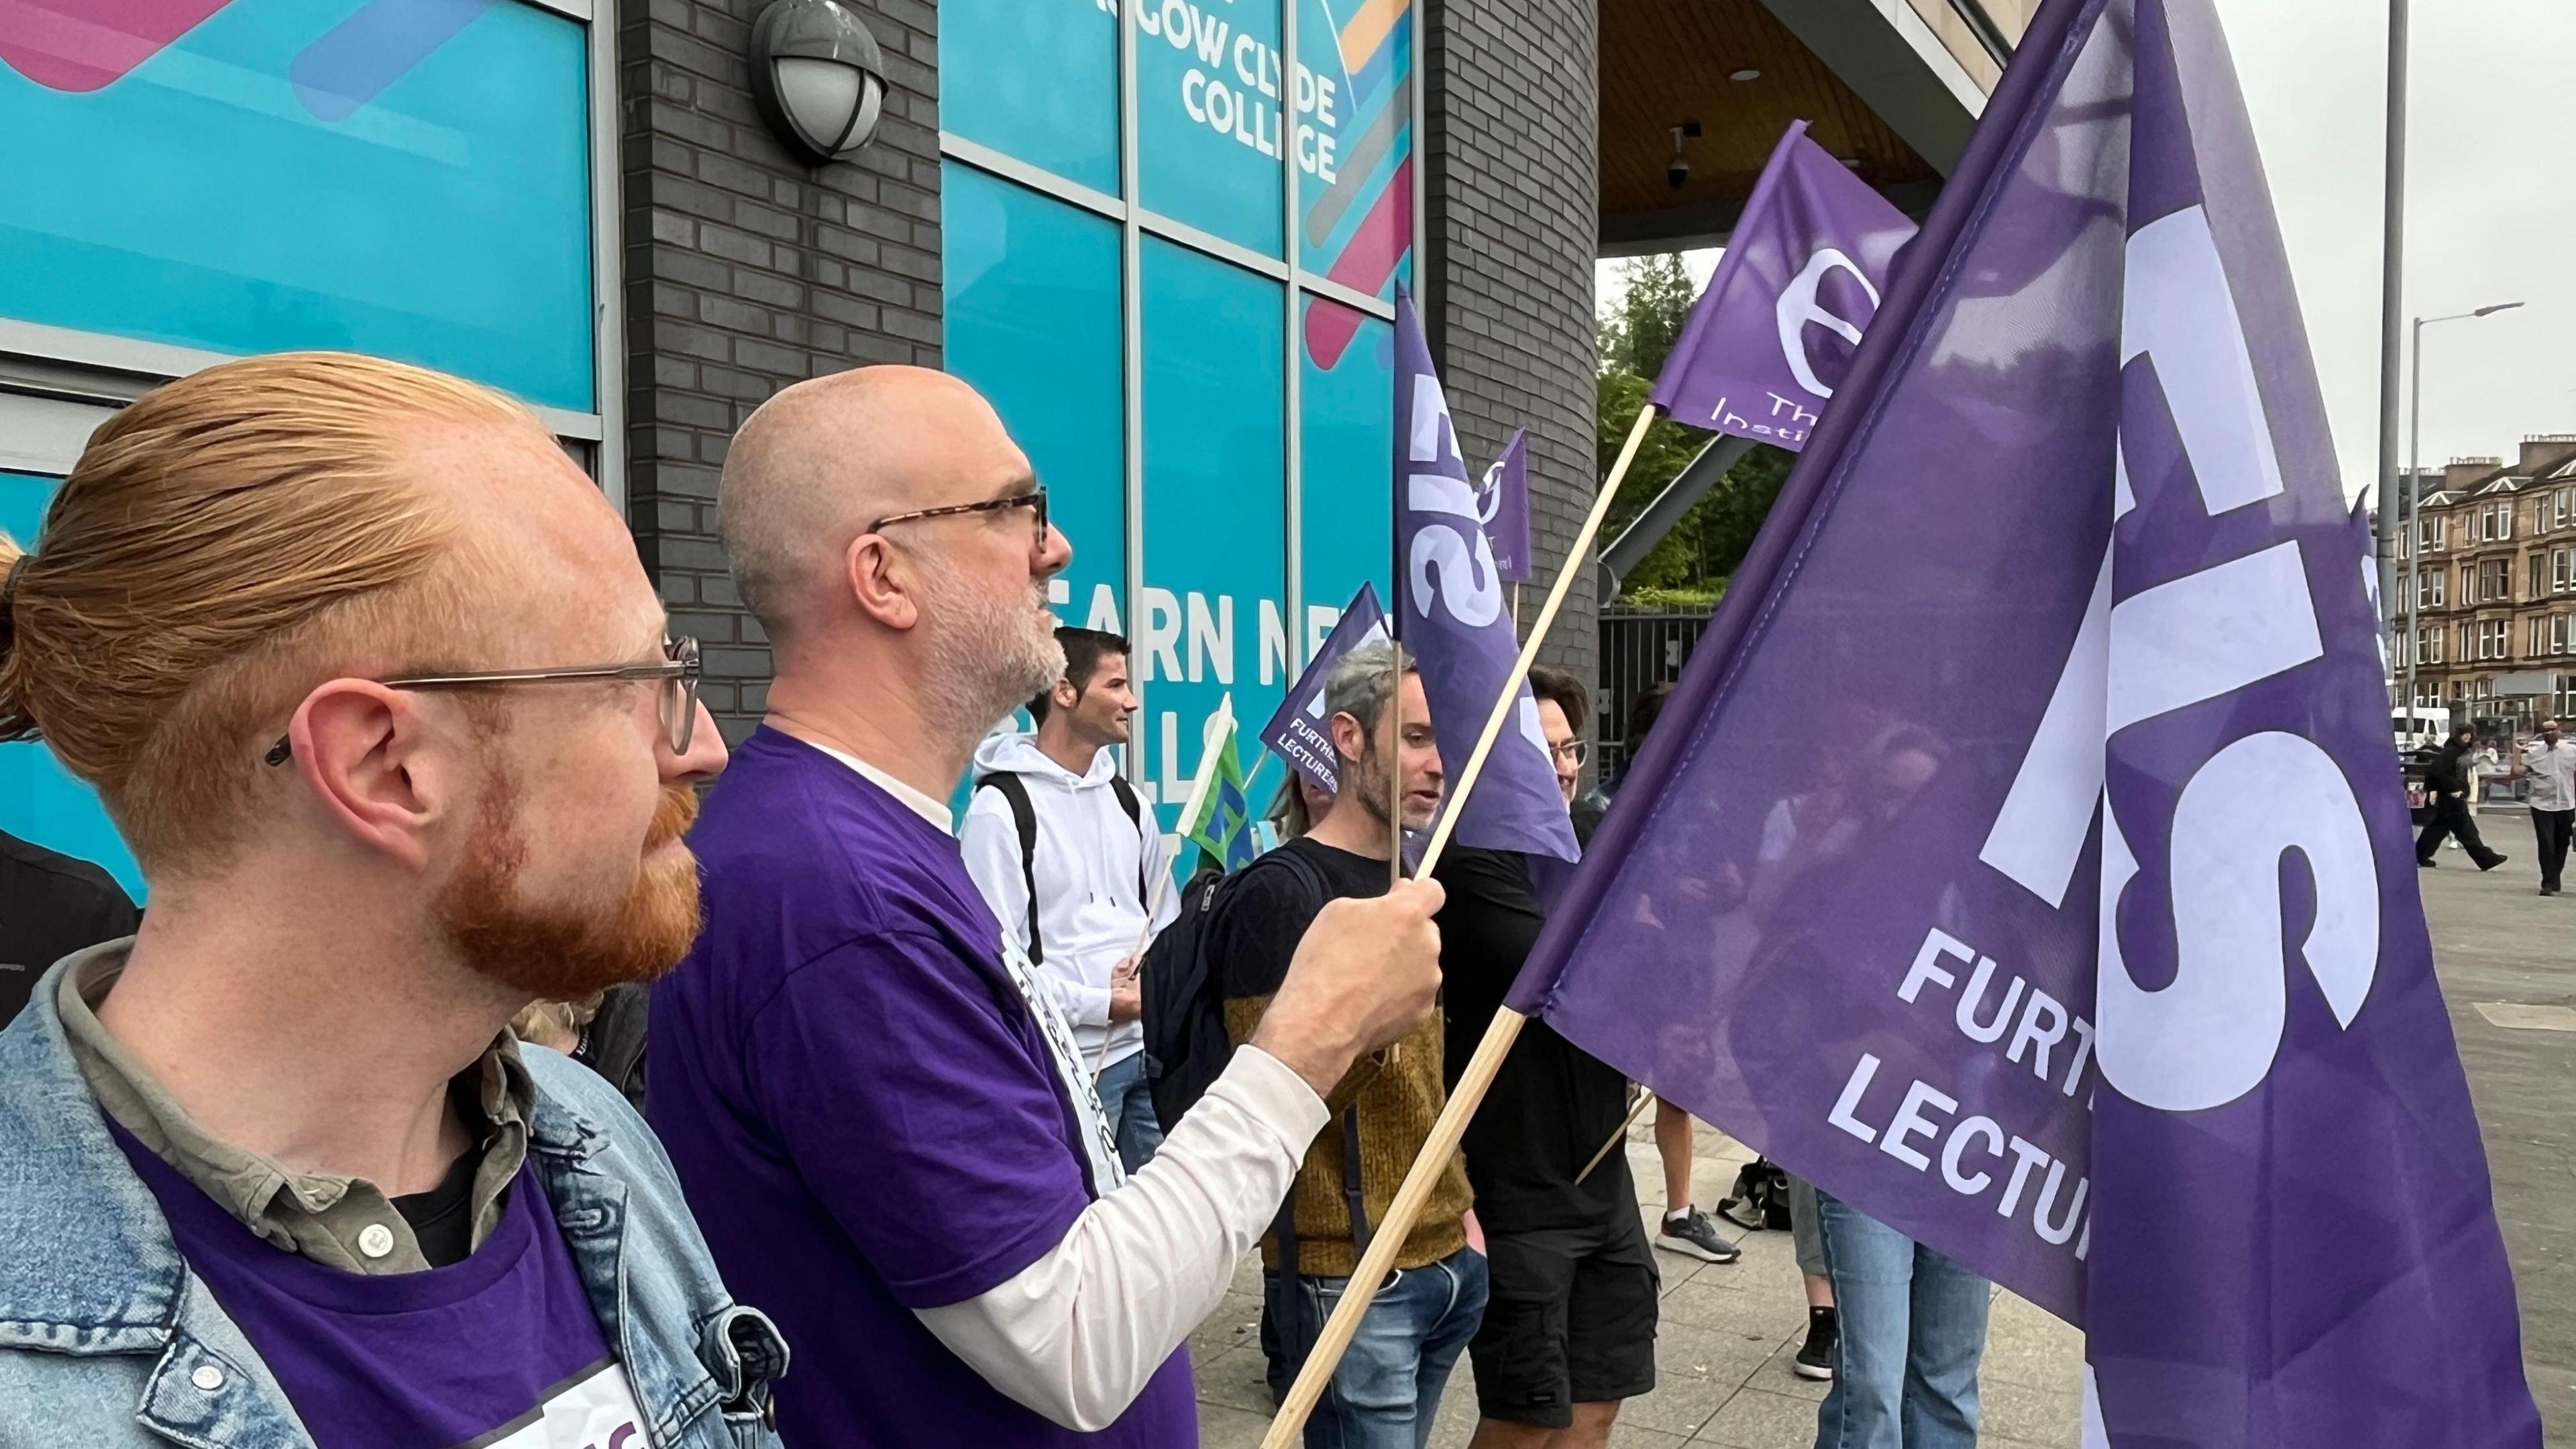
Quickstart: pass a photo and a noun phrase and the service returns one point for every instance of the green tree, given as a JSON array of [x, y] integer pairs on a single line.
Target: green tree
[[1638, 334], [1690, 565]]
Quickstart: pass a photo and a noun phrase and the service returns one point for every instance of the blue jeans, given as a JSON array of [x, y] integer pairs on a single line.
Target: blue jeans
[[1913, 1329], [1386, 1389], [1126, 1097]]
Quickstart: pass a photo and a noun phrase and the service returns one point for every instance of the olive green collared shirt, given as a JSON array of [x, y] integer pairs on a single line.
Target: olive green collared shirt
[[342, 1222]]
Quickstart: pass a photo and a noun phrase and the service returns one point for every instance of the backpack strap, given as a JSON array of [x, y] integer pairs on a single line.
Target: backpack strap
[[1284, 1228], [1320, 891], [1135, 809], [1351, 1180], [1015, 793]]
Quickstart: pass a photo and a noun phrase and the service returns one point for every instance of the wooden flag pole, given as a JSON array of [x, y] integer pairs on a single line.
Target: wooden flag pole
[[1635, 1110], [1219, 725], [1420, 1178], [1395, 766]]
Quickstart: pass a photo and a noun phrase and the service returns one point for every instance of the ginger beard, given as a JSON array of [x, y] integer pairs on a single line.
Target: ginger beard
[[570, 949]]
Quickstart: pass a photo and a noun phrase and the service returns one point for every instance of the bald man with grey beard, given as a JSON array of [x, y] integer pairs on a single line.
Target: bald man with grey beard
[[881, 1119]]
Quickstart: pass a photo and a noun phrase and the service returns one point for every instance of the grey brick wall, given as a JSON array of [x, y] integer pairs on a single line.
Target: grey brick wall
[[746, 271], [1513, 195]]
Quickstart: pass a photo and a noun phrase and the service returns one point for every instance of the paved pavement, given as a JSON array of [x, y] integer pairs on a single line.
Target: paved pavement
[[2506, 955]]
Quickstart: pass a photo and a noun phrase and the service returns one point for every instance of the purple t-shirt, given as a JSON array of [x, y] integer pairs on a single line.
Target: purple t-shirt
[[500, 1351], [864, 1112]]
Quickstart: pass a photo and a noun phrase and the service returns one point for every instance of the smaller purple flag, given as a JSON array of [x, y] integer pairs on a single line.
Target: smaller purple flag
[[1502, 501], [1449, 605], [1299, 733], [1776, 330]]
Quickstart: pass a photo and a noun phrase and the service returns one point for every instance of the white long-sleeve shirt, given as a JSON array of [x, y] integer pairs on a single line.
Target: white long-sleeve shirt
[[1077, 1334], [1095, 866]]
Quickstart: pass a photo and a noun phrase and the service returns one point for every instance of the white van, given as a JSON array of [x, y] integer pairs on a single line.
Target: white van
[[2422, 728]]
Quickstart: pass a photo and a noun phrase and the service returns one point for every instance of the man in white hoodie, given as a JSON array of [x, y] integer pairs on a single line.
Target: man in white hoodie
[[1067, 855]]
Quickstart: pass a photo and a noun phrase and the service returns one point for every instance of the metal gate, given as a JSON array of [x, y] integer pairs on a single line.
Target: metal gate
[[1639, 650]]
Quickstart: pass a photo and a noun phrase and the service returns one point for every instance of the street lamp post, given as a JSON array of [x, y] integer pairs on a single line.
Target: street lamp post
[[2415, 478], [2391, 297]]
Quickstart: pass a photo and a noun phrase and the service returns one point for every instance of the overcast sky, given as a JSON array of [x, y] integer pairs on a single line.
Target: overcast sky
[[2491, 207]]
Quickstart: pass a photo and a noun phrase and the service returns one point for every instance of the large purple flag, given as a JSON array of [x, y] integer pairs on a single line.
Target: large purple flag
[[2064, 917], [1801, 277], [1451, 614], [1502, 501], [1301, 733]]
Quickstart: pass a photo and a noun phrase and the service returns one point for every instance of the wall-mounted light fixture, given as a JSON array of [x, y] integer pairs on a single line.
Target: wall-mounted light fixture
[[817, 77]]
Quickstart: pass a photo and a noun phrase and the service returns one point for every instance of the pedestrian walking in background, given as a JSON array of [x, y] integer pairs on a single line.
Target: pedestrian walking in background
[[1066, 855], [369, 676], [2447, 775], [878, 1109], [2551, 763]]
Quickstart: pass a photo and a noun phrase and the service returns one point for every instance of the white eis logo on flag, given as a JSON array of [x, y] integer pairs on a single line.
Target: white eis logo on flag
[[1799, 307], [2210, 1035]]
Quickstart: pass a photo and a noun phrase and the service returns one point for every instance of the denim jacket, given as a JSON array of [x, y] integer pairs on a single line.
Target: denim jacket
[[108, 1341]]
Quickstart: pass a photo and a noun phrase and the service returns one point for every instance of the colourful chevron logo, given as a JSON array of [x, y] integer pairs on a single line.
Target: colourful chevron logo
[[1364, 220], [79, 46], [87, 45]]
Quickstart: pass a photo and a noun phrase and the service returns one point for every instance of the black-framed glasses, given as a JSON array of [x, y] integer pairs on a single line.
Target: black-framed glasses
[[1572, 752], [1035, 500], [677, 671]]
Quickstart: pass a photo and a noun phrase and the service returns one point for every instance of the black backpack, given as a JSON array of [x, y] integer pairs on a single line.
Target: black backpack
[[1186, 1045], [1024, 816], [1760, 1198], [1184, 995]]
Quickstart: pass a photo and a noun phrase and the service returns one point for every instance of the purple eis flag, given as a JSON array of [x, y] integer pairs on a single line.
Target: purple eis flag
[[1451, 615], [2069, 924], [1775, 330], [1502, 502], [1300, 733]]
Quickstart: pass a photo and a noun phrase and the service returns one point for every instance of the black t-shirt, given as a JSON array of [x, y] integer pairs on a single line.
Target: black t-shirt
[[1268, 909], [1553, 1104], [50, 906], [442, 1218]]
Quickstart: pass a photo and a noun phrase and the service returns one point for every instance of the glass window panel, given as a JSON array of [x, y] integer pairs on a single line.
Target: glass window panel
[[1033, 320], [1353, 142], [39, 799], [1348, 443], [1037, 81], [1207, 116], [315, 173], [1211, 621]]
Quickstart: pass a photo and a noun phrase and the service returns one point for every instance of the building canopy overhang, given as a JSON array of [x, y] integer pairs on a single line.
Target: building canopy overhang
[[1892, 87]]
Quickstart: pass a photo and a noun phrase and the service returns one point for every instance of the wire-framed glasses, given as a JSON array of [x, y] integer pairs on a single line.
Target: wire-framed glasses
[[677, 671]]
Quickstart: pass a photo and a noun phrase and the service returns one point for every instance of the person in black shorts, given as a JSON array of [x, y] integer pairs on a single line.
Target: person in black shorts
[[1569, 1328]]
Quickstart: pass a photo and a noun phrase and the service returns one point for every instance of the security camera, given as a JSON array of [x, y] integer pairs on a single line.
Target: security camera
[[1677, 170]]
